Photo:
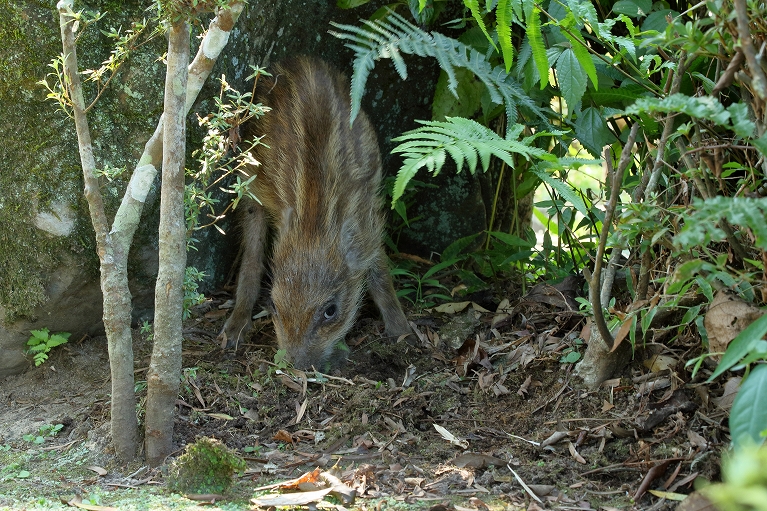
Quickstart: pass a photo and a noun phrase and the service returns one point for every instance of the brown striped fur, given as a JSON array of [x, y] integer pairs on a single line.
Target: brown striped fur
[[319, 184]]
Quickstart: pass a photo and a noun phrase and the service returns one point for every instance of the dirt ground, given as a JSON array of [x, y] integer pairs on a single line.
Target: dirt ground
[[482, 411]]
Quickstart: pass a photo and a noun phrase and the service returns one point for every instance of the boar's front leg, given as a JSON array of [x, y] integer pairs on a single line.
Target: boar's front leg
[[253, 224], [384, 296]]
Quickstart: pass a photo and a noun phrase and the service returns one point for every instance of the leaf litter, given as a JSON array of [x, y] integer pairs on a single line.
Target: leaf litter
[[461, 418]]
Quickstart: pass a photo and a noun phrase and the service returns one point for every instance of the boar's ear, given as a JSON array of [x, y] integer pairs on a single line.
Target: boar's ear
[[351, 246]]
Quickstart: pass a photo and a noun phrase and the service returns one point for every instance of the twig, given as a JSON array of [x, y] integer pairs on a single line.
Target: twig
[[759, 80], [527, 488], [596, 278], [649, 188]]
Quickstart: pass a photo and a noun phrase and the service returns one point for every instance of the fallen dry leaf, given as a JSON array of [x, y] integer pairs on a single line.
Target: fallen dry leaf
[[525, 387], [291, 499], [731, 387], [447, 435], [99, 470], [283, 436], [727, 316], [452, 308]]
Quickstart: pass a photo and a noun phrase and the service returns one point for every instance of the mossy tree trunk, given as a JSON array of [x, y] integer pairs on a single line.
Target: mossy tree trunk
[[165, 367]]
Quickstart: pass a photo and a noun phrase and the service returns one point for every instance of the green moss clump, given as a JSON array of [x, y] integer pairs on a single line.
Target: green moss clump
[[207, 466]]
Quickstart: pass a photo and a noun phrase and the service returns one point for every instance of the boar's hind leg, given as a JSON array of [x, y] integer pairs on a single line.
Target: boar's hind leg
[[384, 296], [253, 225]]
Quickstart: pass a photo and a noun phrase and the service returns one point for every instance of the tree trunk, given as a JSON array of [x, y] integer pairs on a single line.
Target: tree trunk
[[113, 257], [165, 367]]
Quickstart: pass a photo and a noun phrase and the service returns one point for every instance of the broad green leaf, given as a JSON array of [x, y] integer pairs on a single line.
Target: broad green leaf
[[350, 4], [503, 16], [578, 46], [760, 143], [658, 20], [690, 315], [616, 97], [535, 37], [742, 125], [592, 131], [633, 8], [572, 79], [748, 415], [741, 345], [456, 247], [511, 240]]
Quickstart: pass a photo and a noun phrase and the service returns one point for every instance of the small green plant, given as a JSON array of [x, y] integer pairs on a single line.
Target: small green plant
[[147, 330], [281, 359], [192, 278], [572, 354], [207, 466], [252, 449], [744, 486], [41, 343], [45, 431]]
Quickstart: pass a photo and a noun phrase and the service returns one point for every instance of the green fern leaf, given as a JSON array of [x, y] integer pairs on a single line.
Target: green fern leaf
[[465, 141], [393, 36], [503, 15], [473, 6], [535, 37]]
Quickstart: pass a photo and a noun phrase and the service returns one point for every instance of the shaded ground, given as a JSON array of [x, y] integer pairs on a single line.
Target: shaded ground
[[498, 382]]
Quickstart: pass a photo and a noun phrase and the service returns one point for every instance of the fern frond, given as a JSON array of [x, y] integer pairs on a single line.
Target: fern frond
[[393, 36], [535, 37], [465, 141], [503, 15], [473, 6]]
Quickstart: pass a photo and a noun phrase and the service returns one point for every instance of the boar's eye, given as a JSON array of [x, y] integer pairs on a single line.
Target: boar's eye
[[330, 312]]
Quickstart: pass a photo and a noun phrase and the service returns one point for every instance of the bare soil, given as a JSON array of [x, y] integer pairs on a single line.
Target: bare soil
[[499, 385]]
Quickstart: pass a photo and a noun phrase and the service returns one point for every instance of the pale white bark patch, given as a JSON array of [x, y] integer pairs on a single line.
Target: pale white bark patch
[[141, 182], [59, 221], [214, 42]]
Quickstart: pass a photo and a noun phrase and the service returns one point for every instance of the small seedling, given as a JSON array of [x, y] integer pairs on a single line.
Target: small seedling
[[147, 329], [46, 430], [281, 359], [41, 343], [572, 354]]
